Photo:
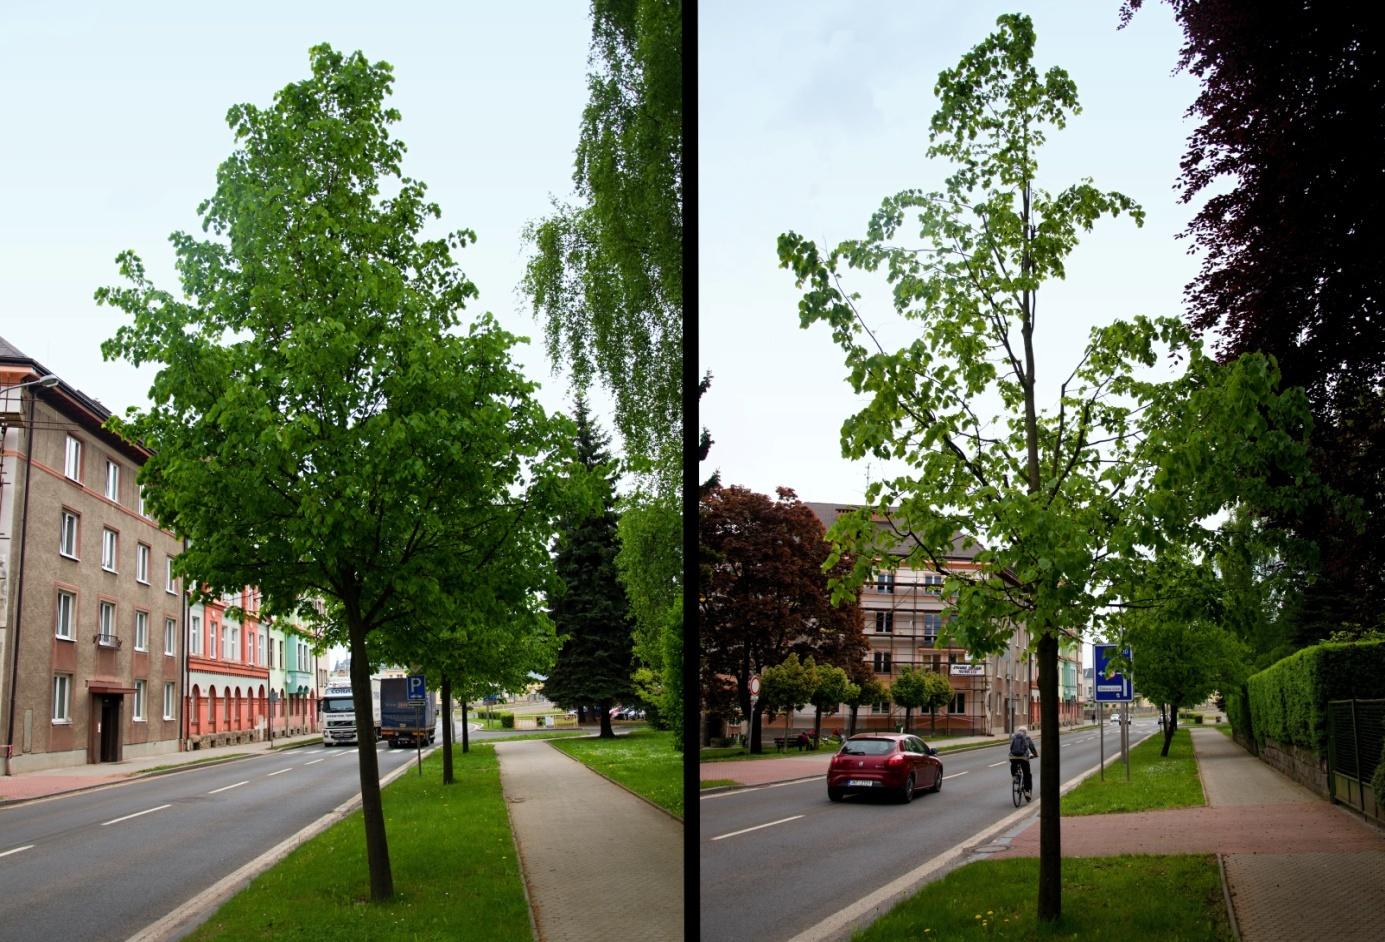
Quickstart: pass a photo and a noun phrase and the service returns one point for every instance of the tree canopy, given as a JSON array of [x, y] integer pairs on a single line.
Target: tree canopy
[[322, 423], [1066, 502]]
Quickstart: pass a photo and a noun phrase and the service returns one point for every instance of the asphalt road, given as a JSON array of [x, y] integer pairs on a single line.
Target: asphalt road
[[778, 859], [103, 864]]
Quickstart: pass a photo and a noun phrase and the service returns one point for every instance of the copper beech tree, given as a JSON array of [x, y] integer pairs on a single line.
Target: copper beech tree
[[764, 592]]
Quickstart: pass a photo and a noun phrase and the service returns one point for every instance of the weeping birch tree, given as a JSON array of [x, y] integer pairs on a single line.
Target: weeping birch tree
[[1067, 501]]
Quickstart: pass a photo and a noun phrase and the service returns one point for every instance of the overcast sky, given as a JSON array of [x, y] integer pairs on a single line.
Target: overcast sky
[[115, 123], [811, 113]]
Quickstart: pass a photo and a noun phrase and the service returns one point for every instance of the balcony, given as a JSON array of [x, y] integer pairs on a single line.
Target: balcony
[[106, 641]]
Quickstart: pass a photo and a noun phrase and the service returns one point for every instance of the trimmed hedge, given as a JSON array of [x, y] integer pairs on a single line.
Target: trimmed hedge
[[1288, 700], [1238, 713]]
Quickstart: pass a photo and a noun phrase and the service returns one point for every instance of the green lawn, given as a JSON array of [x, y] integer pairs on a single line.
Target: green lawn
[[642, 760], [536, 734], [1130, 897], [453, 861], [1155, 782]]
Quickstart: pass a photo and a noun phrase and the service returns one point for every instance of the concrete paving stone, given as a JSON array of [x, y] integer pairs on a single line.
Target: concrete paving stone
[[1232, 776], [1326, 895], [601, 864]]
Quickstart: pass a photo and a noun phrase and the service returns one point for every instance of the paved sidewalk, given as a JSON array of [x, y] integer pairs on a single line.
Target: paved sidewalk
[[46, 782], [1296, 866], [600, 863]]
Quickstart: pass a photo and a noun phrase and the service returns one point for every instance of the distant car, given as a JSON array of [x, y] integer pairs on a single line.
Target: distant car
[[1115, 717], [884, 763]]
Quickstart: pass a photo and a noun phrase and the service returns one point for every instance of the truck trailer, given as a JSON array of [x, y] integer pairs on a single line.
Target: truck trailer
[[405, 722], [339, 713]]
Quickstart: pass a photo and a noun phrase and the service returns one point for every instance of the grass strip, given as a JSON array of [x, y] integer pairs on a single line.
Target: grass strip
[[643, 760], [1135, 896], [541, 734], [1155, 781], [452, 857]]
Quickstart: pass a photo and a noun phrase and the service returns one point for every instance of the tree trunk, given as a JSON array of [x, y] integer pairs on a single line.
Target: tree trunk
[[908, 718], [1170, 726], [581, 714], [817, 726], [466, 740], [446, 730], [932, 719], [756, 744], [606, 731], [372, 811], [1050, 831], [851, 728]]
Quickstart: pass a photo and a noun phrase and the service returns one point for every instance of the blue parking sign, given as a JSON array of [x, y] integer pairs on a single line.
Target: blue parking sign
[[415, 687], [1116, 688]]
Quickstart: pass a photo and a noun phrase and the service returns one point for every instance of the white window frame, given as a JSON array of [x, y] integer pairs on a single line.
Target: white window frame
[[231, 641], [62, 697], [59, 623], [65, 547], [141, 631], [105, 619], [110, 547], [140, 688], [112, 481], [139, 500], [212, 642], [195, 635], [142, 553], [261, 644], [72, 459], [168, 576], [170, 637], [169, 698]]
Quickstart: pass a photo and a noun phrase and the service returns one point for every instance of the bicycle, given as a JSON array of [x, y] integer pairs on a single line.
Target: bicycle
[[1016, 781]]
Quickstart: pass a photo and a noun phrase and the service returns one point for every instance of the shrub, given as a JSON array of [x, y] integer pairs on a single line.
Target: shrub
[[507, 720], [1238, 713], [1288, 700]]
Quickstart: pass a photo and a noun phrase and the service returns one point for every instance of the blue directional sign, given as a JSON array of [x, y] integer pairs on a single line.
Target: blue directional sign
[[415, 687], [1111, 687]]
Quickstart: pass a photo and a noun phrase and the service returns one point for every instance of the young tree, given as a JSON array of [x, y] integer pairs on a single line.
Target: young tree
[[320, 428], [937, 693], [1068, 501], [831, 691], [788, 687], [592, 612], [869, 690], [910, 692], [764, 592]]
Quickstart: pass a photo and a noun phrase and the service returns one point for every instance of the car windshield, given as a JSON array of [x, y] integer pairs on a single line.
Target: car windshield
[[868, 747], [336, 705]]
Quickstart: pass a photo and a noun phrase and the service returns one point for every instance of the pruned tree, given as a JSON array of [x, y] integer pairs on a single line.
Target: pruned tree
[[764, 592], [787, 687], [322, 424], [909, 691], [831, 691], [869, 690], [938, 693], [1067, 501]]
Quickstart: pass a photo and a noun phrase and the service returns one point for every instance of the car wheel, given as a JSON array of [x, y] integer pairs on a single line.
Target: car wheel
[[835, 794], [938, 785], [907, 795]]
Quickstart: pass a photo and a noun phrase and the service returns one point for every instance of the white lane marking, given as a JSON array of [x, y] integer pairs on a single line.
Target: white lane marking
[[756, 788], [954, 775], [226, 788], [135, 815], [314, 762], [994, 764], [280, 772], [722, 837], [15, 850]]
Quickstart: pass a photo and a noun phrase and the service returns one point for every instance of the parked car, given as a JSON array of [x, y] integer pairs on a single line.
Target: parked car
[[888, 763], [1115, 717]]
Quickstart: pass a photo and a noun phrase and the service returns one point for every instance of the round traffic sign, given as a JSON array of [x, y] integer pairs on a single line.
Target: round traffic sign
[[755, 685]]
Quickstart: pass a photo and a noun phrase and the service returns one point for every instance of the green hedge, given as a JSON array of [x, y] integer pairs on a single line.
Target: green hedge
[[1238, 713], [1288, 700], [507, 720]]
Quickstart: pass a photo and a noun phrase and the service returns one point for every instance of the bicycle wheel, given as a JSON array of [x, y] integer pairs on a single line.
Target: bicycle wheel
[[1017, 789]]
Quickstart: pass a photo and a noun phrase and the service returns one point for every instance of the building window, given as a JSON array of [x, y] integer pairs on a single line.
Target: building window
[[168, 701], [67, 535], [168, 575], [113, 481], [72, 466], [230, 637], [139, 701], [884, 622], [880, 707], [141, 563], [282, 663], [108, 538], [882, 662], [932, 583], [271, 652], [105, 622], [62, 693], [67, 608], [141, 631], [932, 624], [261, 643], [139, 500], [884, 582], [170, 635], [212, 629], [195, 635], [958, 704]]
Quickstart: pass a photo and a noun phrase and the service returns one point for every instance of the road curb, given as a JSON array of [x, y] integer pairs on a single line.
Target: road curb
[[200, 908]]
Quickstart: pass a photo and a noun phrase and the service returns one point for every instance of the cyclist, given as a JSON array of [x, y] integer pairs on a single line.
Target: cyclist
[[1021, 748]]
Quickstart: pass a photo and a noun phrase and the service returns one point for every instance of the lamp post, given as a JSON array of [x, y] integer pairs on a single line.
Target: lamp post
[[47, 382]]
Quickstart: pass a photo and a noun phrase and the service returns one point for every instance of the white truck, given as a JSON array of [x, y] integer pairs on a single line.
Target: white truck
[[339, 713]]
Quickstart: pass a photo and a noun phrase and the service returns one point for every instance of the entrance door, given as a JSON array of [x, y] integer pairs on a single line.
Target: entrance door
[[110, 728]]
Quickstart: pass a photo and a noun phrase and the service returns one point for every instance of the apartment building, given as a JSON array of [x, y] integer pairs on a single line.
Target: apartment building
[[91, 618], [904, 616]]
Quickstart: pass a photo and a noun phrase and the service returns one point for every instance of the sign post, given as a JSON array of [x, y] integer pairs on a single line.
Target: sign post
[[1112, 687], [416, 693], [754, 699], [273, 696]]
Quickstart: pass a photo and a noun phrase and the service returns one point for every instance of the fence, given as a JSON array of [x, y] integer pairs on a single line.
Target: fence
[[1356, 736]]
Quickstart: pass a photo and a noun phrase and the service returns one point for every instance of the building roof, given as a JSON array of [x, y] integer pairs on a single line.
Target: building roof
[[963, 547]]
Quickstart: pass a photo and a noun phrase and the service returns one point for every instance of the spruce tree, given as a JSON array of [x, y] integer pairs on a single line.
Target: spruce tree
[[592, 612]]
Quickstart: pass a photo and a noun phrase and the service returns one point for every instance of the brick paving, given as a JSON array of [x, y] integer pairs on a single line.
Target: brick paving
[[601, 865]]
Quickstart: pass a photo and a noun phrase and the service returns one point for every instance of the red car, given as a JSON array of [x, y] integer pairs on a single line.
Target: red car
[[884, 762]]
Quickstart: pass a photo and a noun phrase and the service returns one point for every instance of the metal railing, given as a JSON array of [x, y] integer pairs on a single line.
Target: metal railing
[[1356, 737]]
